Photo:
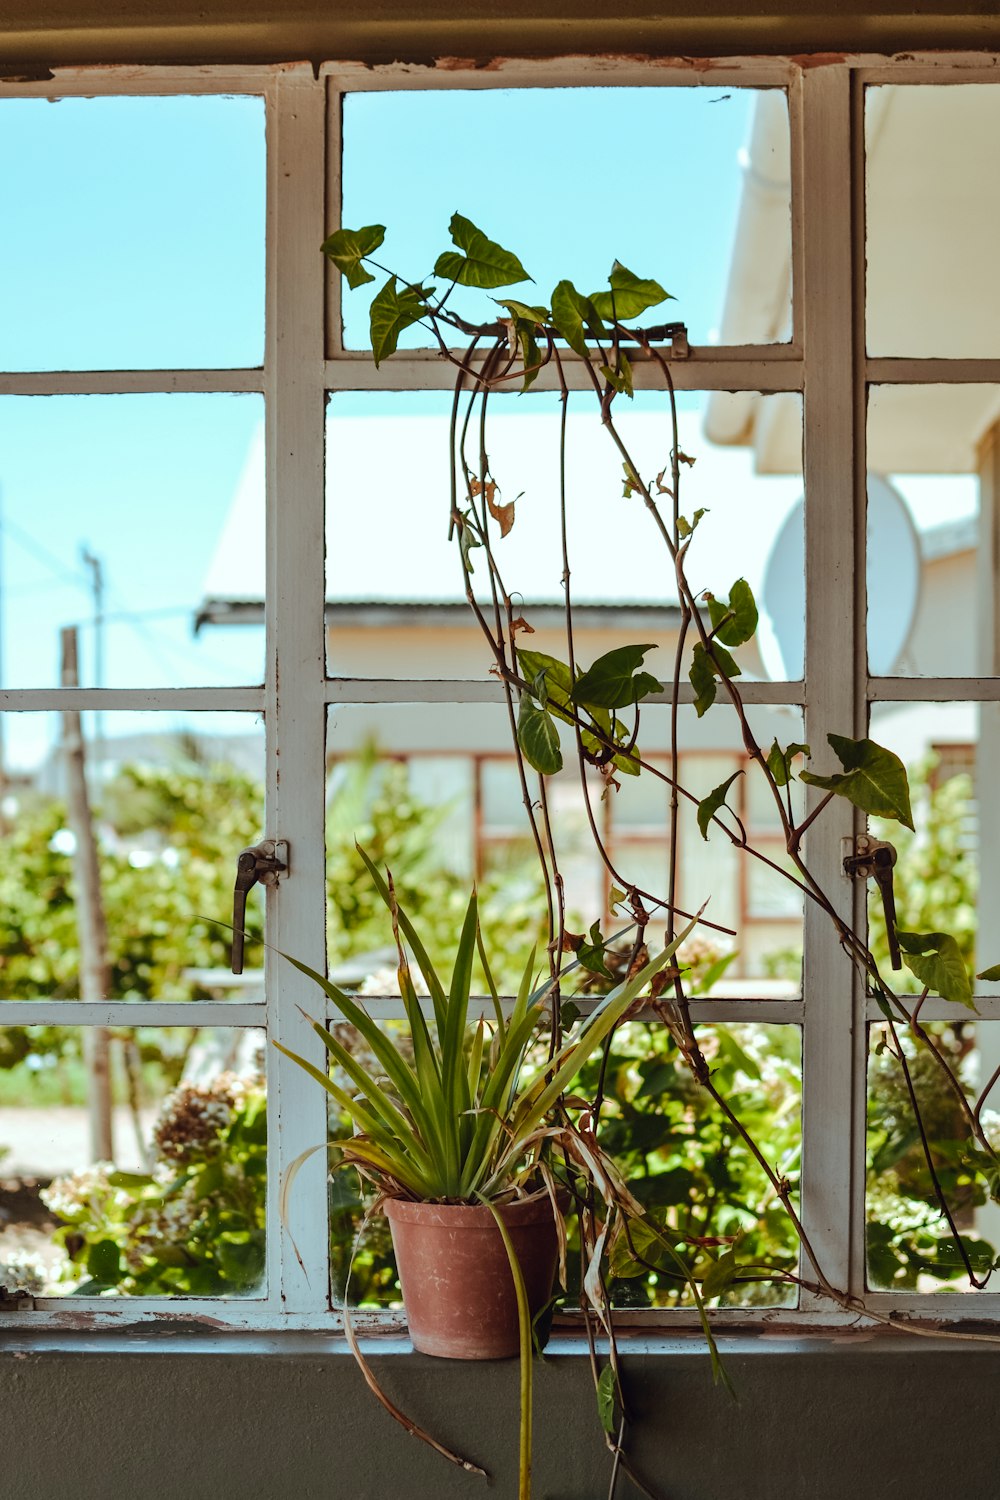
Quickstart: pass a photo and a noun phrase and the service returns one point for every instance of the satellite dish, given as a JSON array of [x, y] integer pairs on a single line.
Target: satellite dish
[[893, 579]]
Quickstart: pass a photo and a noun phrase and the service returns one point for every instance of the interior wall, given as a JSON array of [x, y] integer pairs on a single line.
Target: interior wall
[[216, 1419]]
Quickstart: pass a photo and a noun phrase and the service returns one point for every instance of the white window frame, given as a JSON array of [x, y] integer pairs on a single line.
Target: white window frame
[[824, 361]]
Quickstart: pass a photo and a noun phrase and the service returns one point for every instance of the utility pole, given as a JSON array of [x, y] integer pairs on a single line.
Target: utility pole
[[92, 933], [91, 561]]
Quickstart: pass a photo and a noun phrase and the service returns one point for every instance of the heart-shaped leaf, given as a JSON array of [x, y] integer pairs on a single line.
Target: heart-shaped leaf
[[936, 960], [348, 248], [572, 313], [779, 762], [610, 682], [484, 263], [630, 295], [739, 615], [556, 674], [874, 779], [709, 806], [538, 737], [392, 311]]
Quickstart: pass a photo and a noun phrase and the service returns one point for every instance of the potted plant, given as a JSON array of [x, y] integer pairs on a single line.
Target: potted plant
[[470, 1143], [593, 711]]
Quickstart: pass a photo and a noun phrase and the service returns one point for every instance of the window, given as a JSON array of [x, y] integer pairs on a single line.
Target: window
[[782, 377]]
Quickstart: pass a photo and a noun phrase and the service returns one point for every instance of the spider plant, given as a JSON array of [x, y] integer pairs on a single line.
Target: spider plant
[[464, 1120]]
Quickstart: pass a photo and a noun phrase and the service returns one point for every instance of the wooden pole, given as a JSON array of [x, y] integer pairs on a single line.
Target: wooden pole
[[92, 933]]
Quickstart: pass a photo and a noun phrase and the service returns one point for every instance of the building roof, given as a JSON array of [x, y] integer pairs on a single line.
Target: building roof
[[388, 503], [933, 219]]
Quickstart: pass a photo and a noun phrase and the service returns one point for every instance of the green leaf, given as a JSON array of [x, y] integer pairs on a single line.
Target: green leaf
[[533, 315], [484, 264], [468, 539], [348, 247], [391, 312], [991, 975], [535, 664], [610, 682], [936, 960], [607, 1390], [571, 312], [702, 676], [779, 762], [742, 613], [709, 806], [525, 321], [721, 1275], [103, 1262], [620, 377], [538, 737], [591, 955], [874, 779], [615, 896], [630, 297], [704, 669]]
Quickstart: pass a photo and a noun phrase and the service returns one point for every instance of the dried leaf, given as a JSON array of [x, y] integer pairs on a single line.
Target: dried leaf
[[521, 624]]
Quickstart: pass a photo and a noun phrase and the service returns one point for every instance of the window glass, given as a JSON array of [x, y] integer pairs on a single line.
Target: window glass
[[395, 589], [932, 210], [931, 462], [172, 800], [431, 152], [944, 878], [134, 1161], [134, 233], [139, 518], [911, 1245]]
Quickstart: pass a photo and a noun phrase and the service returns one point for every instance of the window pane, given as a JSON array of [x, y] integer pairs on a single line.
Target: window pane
[[172, 801], [396, 602], [140, 517], [945, 879], [931, 458], [467, 821], [911, 1245], [134, 237], [681, 1158], [722, 154], [176, 1207], [932, 208]]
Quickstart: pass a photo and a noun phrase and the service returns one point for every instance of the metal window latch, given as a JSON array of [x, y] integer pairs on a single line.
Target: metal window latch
[[872, 859], [265, 862]]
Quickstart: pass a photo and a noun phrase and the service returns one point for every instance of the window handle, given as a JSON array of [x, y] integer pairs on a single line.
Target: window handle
[[874, 859], [265, 862]]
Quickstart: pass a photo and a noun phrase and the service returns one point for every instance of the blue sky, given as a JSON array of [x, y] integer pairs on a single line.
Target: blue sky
[[138, 241]]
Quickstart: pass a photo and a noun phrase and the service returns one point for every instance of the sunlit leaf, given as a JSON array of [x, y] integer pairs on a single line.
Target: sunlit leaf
[[348, 247], [572, 313], [874, 779], [614, 680], [709, 806], [630, 296], [739, 615], [936, 960], [686, 527], [391, 312], [484, 263]]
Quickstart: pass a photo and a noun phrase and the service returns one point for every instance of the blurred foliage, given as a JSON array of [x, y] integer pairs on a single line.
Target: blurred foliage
[[194, 1225], [935, 880], [910, 1244]]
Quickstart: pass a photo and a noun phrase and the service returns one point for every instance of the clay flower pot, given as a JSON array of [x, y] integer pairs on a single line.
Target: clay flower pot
[[457, 1284]]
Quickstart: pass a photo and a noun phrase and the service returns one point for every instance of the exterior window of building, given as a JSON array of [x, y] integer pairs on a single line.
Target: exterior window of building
[[224, 573]]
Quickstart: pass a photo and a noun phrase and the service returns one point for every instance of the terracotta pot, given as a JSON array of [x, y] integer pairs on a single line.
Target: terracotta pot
[[456, 1278]]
